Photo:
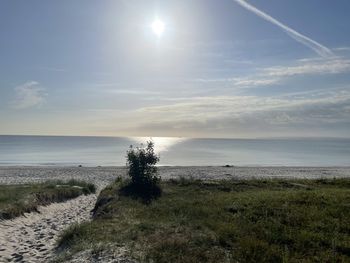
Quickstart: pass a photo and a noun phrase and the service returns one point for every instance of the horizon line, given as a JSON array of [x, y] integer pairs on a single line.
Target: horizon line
[[150, 137]]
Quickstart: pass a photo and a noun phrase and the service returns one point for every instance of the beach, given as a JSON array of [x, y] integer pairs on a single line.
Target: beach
[[32, 237], [104, 175]]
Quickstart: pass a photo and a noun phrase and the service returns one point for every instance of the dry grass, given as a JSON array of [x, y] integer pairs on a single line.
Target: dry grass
[[15, 200], [224, 221]]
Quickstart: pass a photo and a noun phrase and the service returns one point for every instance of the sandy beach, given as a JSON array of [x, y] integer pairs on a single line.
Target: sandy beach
[[31, 238], [103, 175]]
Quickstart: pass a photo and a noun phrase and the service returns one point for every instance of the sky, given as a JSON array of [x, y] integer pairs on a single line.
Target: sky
[[220, 69]]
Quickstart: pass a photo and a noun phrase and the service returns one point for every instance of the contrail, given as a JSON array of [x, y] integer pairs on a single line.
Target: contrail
[[315, 46]]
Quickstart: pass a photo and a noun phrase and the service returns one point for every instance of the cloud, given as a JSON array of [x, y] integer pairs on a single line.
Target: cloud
[[315, 66], [28, 95], [342, 49], [314, 45], [232, 116], [243, 81], [273, 75], [202, 108], [253, 82]]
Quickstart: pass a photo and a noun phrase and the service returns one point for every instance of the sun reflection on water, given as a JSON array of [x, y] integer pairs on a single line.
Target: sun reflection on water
[[161, 144]]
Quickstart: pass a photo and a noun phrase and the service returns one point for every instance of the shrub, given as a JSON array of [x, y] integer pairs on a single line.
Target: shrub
[[142, 170]]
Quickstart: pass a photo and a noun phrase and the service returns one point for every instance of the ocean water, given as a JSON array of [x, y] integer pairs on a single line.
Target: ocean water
[[110, 151]]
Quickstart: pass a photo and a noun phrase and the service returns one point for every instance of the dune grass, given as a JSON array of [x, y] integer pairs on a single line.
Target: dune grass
[[223, 221], [15, 200]]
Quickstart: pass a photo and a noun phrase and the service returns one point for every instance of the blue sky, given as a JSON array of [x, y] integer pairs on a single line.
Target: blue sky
[[229, 68]]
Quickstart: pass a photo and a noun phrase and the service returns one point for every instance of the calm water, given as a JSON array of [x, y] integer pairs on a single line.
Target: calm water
[[93, 151]]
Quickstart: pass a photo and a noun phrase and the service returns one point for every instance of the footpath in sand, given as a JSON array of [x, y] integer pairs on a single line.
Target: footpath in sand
[[31, 238]]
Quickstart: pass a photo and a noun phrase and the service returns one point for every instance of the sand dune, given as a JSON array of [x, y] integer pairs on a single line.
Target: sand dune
[[31, 238]]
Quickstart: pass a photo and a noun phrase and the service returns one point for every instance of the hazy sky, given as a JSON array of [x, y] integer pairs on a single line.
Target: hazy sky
[[228, 68]]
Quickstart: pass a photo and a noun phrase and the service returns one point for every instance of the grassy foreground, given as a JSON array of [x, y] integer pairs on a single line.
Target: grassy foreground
[[15, 200], [223, 221]]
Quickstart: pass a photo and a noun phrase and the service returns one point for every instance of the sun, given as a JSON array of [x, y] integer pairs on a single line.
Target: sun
[[158, 27]]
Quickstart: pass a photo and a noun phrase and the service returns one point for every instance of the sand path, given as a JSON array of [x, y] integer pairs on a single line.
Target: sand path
[[31, 238]]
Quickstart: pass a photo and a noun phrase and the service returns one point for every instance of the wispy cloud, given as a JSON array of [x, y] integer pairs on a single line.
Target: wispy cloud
[[204, 108], [272, 75], [251, 115], [341, 49], [254, 82], [314, 45], [332, 66], [242, 82], [27, 95]]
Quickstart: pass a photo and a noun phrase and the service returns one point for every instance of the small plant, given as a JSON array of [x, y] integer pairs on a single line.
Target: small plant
[[141, 162], [142, 170]]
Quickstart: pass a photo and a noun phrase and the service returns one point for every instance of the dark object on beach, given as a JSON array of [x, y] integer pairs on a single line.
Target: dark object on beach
[[144, 183], [80, 165], [227, 166]]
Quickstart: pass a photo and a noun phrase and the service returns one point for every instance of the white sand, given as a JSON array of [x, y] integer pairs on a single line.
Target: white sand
[[31, 238]]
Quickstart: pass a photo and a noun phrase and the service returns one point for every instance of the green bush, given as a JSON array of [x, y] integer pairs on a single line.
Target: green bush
[[142, 170]]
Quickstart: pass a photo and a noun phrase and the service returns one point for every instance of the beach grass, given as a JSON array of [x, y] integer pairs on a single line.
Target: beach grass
[[15, 200], [222, 221]]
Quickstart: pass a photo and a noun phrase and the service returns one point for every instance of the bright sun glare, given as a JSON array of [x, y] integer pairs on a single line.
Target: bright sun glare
[[158, 27]]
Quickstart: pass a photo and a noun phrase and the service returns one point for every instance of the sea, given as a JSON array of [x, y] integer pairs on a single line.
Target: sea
[[111, 151]]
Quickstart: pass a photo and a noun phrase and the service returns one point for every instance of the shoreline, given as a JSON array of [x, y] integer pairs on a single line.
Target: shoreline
[[179, 166]]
